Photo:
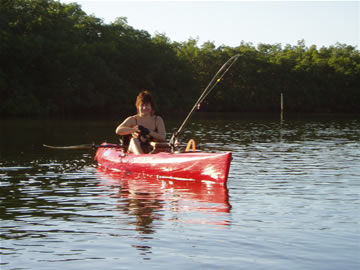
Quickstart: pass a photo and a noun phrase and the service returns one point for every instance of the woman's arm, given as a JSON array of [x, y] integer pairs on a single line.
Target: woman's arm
[[127, 127]]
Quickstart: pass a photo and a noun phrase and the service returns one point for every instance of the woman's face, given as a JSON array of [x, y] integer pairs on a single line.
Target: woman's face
[[145, 109]]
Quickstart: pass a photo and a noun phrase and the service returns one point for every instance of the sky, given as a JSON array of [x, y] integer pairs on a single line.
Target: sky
[[320, 23]]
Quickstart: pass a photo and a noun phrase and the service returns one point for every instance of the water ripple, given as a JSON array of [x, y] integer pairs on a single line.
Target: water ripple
[[291, 202]]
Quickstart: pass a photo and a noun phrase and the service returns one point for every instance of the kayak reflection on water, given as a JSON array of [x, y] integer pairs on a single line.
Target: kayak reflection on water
[[150, 198]]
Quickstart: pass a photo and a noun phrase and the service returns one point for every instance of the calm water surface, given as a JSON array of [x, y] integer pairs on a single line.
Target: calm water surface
[[292, 199]]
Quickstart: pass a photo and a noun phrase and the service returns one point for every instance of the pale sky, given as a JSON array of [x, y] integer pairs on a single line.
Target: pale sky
[[321, 23]]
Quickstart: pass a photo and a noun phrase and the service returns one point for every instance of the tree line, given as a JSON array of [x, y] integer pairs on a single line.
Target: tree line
[[55, 60]]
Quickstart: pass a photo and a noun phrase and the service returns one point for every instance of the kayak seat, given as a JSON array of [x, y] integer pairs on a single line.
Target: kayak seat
[[160, 147], [156, 147]]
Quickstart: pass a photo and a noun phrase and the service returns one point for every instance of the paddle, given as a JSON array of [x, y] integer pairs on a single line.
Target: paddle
[[83, 146], [214, 81]]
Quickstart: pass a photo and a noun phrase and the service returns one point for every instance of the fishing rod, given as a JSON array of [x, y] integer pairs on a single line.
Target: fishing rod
[[214, 81]]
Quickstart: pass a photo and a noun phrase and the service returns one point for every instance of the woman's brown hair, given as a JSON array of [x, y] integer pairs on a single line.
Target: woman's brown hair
[[145, 97]]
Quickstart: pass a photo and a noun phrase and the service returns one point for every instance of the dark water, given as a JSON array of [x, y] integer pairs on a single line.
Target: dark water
[[292, 199]]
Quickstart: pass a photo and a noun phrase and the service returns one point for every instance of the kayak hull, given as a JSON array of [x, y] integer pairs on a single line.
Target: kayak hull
[[196, 166]]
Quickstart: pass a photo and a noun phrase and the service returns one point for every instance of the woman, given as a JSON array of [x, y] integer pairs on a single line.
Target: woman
[[144, 127]]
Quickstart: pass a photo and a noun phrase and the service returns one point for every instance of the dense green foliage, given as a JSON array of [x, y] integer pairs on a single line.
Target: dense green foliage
[[57, 60]]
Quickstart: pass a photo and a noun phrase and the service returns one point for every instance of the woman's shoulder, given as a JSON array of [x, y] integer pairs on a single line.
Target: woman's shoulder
[[131, 119], [135, 116], [158, 118]]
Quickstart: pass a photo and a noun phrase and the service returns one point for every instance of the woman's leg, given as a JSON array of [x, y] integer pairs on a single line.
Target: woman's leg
[[134, 147]]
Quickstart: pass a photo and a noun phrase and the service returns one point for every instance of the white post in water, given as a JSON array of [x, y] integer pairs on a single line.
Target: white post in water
[[281, 106]]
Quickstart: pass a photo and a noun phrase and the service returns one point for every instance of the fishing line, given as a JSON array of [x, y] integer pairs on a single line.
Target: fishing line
[[214, 81]]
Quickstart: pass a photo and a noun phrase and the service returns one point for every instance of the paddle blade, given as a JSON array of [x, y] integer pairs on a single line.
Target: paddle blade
[[73, 147]]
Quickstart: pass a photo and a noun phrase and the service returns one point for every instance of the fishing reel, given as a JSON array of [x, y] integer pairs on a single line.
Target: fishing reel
[[174, 142]]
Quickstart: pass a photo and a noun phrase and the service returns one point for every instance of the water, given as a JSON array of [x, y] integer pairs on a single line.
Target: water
[[292, 199]]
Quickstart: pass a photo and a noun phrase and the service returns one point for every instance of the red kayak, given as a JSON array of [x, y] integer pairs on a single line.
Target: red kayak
[[196, 166]]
